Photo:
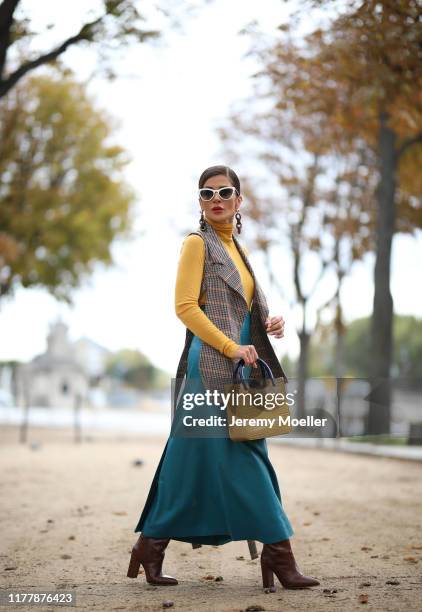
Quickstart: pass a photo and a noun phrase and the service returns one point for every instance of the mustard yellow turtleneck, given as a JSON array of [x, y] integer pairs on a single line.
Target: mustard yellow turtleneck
[[188, 287]]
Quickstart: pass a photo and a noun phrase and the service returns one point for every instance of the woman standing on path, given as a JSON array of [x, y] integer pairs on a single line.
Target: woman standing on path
[[213, 490]]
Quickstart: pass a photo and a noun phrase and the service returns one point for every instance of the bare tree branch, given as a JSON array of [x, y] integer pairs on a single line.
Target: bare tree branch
[[88, 32], [408, 143], [84, 33], [7, 9]]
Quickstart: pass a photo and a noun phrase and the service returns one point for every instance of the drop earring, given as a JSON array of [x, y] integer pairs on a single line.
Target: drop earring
[[238, 222], [202, 223]]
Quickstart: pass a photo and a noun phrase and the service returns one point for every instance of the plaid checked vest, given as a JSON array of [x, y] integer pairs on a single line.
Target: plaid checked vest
[[226, 307]]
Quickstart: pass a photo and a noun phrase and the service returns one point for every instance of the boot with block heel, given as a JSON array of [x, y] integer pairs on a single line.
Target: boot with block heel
[[278, 559], [150, 553]]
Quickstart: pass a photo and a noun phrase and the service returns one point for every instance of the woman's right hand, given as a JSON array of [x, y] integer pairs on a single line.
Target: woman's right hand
[[248, 353]]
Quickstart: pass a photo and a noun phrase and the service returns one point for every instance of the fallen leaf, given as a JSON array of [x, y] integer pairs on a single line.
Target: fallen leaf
[[363, 598], [392, 582], [366, 548], [120, 513]]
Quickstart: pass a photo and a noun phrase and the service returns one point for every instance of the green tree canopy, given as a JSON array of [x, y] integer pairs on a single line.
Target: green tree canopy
[[407, 354], [63, 198], [134, 368]]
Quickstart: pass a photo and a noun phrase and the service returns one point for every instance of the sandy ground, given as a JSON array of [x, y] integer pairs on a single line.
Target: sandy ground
[[68, 512]]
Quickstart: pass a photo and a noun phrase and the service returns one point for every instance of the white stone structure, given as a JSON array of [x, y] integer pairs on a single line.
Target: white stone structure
[[54, 379]]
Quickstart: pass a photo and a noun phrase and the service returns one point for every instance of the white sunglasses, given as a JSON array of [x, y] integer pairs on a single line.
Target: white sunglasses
[[225, 193]]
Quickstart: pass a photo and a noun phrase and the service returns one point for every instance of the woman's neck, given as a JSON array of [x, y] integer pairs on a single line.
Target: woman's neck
[[224, 230]]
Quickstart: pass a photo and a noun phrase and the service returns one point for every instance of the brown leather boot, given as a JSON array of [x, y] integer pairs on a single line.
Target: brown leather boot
[[278, 559], [150, 552]]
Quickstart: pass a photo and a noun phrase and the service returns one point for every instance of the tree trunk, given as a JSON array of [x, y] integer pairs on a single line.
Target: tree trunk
[[339, 355], [382, 316], [302, 375]]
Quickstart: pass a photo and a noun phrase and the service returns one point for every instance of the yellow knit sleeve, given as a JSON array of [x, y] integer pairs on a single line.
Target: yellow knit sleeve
[[188, 286]]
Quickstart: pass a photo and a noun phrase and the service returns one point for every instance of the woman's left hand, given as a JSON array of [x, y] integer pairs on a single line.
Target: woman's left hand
[[275, 326]]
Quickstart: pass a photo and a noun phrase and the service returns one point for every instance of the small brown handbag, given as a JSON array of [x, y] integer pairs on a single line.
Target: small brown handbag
[[252, 412]]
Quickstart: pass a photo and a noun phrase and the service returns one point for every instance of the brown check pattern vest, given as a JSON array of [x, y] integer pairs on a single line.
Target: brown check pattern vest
[[226, 307]]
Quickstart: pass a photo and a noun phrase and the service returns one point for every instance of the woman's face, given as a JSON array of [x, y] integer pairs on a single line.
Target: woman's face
[[218, 209]]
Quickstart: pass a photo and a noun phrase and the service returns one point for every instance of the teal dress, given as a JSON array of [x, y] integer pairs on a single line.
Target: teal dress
[[212, 490]]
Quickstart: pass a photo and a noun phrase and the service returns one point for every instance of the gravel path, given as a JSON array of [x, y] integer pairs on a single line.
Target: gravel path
[[68, 512]]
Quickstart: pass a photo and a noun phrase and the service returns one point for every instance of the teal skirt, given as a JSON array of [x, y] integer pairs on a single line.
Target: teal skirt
[[212, 490]]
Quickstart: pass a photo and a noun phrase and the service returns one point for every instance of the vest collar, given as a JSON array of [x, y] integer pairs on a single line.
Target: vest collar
[[224, 265]]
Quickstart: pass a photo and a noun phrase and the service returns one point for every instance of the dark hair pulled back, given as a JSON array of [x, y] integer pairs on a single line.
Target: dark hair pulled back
[[215, 171]]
